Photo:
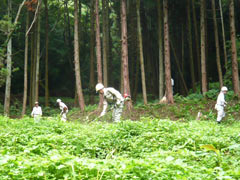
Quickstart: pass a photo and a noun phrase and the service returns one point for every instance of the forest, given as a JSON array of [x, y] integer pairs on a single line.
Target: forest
[[170, 58]]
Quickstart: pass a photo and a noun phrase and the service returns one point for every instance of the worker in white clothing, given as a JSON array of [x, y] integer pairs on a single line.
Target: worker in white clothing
[[36, 112], [111, 96], [64, 110], [221, 103]]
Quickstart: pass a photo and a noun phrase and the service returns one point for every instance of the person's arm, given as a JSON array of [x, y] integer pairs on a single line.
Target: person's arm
[[105, 105], [40, 111], [32, 112]]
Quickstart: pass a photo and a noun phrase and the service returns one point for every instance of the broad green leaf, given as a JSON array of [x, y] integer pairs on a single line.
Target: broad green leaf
[[210, 147]]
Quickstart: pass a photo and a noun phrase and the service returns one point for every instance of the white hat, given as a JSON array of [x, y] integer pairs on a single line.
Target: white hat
[[36, 102], [99, 86], [224, 88], [58, 100]]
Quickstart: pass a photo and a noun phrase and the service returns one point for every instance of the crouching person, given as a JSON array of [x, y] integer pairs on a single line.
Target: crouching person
[[36, 112], [221, 103], [112, 96], [64, 110]]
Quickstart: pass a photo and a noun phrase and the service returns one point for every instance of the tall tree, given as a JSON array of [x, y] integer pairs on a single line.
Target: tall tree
[[139, 29], [169, 93], [203, 46], [223, 34], [46, 53], [9, 63], [105, 24], [160, 44], [76, 58], [92, 56], [235, 76], [190, 47], [25, 68], [219, 68], [126, 86], [98, 49]]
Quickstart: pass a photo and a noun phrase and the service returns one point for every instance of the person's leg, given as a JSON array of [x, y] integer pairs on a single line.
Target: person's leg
[[118, 113], [221, 114], [64, 117]]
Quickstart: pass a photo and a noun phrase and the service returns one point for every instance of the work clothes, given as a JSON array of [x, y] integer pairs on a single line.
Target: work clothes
[[221, 103], [64, 111], [36, 113], [112, 96]]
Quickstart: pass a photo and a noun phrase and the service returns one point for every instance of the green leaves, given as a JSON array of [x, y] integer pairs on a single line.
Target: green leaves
[[210, 147]]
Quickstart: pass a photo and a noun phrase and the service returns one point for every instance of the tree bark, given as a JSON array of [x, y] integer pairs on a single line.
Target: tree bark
[[92, 56], [139, 29], [190, 47], [105, 41], [169, 93], [76, 58], [217, 44], [223, 35], [9, 66], [98, 50], [235, 76], [25, 68], [126, 86], [160, 44], [203, 51], [46, 54]]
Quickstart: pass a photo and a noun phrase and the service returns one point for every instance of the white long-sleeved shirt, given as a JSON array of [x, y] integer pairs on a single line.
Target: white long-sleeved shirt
[[111, 95], [36, 111], [62, 106], [221, 99]]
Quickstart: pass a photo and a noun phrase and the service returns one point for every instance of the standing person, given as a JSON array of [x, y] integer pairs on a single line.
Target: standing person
[[64, 110], [36, 112], [111, 96], [221, 103]]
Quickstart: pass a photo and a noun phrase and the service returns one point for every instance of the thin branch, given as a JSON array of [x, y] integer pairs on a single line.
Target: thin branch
[[35, 17]]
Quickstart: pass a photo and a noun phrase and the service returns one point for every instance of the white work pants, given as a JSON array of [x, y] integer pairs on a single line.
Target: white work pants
[[64, 116], [37, 118], [117, 112], [221, 113]]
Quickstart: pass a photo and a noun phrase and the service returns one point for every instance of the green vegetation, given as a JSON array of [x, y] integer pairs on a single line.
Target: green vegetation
[[148, 149]]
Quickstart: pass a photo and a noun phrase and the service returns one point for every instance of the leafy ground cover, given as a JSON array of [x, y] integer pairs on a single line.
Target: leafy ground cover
[[151, 148]]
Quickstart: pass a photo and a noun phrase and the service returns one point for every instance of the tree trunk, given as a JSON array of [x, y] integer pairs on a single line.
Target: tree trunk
[[9, 67], [203, 51], [235, 78], [92, 56], [169, 93], [46, 55], [223, 35], [38, 53], [105, 41], [197, 39], [139, 29], [98, 51], [217, 44], [126, 86], [76, 58], [190, 47], [25, 68], [160, 44]]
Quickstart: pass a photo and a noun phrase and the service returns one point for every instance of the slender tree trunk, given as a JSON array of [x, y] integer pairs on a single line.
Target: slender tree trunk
[[197, 39], [25, 68], [203, 51], [76, 58], [38, 52], [183, 54], [105, 41], [160, 44], [169, 92], [98, 50], [46, 55], [217, 44], [235, 76], [32, 68], [139, 29], [92, 56], [190, 47], [9, 66], [126, 85], [223, 34]]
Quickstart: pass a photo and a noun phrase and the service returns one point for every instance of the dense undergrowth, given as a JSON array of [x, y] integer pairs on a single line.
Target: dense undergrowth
[[146, 149], [158, 141]]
